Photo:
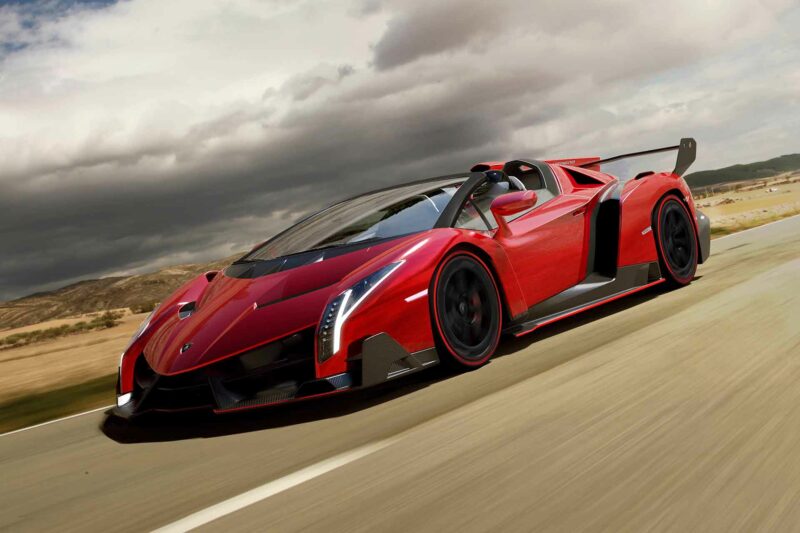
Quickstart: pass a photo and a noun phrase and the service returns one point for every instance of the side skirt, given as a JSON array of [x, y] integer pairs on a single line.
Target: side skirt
[[593, 291]]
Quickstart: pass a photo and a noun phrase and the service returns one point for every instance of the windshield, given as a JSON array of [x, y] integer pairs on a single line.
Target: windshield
[[373, 216]]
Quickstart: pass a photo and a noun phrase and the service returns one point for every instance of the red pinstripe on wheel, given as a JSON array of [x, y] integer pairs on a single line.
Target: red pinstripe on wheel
[[681, 280], [435, 310]]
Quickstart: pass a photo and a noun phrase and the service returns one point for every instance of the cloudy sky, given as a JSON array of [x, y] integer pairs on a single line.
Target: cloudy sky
[[144, 133]]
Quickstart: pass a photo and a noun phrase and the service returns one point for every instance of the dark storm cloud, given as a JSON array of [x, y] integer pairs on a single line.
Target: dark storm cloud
[[446, 84], [219, 203]]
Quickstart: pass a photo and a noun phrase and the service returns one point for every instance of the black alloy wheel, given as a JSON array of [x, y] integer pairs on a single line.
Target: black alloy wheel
[[677, 242], [466, 310]]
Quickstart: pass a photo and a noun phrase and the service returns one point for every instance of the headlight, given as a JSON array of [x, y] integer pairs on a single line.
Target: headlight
[[336, 313]]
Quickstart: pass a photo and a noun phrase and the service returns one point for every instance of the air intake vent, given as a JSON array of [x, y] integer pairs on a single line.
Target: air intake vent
[[580, 178], [186, 310]]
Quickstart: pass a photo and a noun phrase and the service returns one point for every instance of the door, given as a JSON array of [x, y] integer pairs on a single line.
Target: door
[[547, 243], [546, 247]]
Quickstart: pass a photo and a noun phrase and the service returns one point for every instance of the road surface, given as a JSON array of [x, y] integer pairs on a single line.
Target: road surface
[[666, 410]]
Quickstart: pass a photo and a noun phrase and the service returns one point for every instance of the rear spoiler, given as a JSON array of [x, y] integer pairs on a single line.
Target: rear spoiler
[[687, 151]]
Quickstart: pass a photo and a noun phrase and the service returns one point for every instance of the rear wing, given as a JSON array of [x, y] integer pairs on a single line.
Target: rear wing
[[687, 151]]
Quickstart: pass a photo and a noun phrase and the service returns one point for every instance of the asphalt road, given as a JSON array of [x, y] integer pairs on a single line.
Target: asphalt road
[[666, 410]]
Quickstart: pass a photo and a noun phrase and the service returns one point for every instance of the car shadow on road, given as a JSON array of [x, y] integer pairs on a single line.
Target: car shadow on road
[[174, 427], [162, 427]]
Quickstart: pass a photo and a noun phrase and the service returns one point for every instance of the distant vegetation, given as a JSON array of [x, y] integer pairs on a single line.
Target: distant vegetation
[[750, 171], [144, 307], [109, 319]]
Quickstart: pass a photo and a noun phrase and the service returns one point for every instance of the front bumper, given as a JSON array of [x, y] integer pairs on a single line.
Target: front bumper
[[280, 372]]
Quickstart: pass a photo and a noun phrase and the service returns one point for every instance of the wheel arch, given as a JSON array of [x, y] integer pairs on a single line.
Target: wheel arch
[[670, 192], [681, 196]]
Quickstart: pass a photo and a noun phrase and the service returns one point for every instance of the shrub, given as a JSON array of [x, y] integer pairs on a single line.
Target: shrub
[[143, 307], [109, 319]]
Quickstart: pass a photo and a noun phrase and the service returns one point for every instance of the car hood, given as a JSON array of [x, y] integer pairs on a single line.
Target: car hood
[[232, 315]]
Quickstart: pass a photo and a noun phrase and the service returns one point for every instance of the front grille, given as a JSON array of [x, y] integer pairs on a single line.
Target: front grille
[[157, 392], [278, 371]]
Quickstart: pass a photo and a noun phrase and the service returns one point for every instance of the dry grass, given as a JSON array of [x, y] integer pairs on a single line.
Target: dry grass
[[753, 204], [62, 362], [41, 407], [753, 222], [106, 320]]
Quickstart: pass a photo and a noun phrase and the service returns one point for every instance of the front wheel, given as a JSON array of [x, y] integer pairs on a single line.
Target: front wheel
[[466, 311], [677, 242]]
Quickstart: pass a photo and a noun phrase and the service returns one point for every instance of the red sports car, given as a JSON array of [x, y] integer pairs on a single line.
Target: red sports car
[[397, 280]]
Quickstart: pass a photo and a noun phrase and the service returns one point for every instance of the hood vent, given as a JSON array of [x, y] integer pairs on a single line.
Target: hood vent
[[186, 310]]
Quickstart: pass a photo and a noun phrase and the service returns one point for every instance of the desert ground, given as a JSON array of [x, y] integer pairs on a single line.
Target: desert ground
[[65, 361], [750, 204]]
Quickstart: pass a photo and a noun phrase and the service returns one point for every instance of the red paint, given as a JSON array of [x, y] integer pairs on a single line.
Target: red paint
[[236, 315], [570, 185], [511, 204], [639, 200], [410, 323], [576, 162], [546, 247]]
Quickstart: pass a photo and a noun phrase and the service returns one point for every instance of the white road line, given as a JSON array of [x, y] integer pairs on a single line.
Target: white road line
[[272, 488], [755, 228], [56, 420]]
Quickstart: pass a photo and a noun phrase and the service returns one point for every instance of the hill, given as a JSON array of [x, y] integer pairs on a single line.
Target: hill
[[139, 292], [749, 171]]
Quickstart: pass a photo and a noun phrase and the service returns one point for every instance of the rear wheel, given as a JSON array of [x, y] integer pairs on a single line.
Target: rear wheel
[[466, 311], [677, 242]]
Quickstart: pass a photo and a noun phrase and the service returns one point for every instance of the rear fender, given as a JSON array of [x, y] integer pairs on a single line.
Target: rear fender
[[638, 201]]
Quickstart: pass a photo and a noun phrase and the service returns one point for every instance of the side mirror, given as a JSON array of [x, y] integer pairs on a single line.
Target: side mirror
[[511, 204]]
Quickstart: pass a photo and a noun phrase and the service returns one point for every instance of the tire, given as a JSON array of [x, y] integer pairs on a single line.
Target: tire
[[677, 242], [466, 310]]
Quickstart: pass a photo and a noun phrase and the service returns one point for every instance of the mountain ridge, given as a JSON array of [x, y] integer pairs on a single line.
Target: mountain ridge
[[138, 292], [744, 171]]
